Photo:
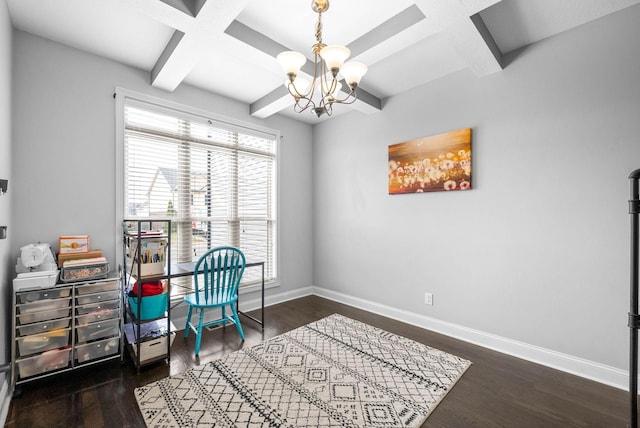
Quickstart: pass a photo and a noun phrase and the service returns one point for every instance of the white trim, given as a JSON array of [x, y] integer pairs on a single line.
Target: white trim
[[119, 202], [179, 313], [274, 299], [240, 125], [5, 396], [568, 363]]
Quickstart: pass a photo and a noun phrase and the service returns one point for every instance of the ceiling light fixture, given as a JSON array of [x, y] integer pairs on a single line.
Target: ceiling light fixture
[[325, 73]]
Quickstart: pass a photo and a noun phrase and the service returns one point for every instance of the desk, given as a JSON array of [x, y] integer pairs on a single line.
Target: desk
[[186, 269]]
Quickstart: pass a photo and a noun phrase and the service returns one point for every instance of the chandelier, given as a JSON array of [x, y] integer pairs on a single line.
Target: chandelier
[[325, 88]]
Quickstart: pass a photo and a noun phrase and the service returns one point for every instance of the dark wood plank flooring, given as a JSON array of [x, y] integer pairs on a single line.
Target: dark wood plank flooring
[[496, 391]]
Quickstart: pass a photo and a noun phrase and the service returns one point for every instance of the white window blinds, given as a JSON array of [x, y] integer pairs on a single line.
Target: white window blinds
[[214, 180]]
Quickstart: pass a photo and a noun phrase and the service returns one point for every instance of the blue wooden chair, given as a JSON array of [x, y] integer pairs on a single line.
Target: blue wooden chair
[[222, 270]]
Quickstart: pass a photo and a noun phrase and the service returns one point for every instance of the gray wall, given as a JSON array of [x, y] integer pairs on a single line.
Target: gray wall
[[538, 251], [5, 173], [64, 144]]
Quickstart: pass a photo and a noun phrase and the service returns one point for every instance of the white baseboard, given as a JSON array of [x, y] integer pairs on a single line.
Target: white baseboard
[[568, 363], [578, 366], [179, 313], [252, 304]]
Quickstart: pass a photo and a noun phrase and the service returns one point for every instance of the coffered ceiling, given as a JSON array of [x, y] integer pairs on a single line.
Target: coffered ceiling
[[229, 46]]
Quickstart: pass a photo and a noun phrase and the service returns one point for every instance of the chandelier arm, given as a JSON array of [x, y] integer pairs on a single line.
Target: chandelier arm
[[294, 92], [305, 104], [298, 106], [327, 87], [350, 98], [298, 109], [328, 109]]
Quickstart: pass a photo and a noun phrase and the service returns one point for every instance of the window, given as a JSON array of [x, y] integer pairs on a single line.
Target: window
[[214, 179]]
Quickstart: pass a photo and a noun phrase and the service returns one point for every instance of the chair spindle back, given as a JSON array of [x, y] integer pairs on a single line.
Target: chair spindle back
[[222, 269]]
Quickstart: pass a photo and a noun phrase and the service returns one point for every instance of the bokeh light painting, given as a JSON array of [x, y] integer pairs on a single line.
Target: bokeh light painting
[[431, 164]]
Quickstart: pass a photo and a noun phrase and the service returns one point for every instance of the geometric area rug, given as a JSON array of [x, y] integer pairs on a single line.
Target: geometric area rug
[[334, 372]]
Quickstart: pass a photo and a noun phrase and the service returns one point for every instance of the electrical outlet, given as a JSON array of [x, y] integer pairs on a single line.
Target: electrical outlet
[[428, 299]]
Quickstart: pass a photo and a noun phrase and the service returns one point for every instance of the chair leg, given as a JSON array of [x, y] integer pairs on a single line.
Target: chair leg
[[199, 333], [237, 320], [224, 318], [187, 327]]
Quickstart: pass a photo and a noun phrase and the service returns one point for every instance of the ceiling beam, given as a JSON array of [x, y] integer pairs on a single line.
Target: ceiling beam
[[197, 24], [387, 30], [460, 22]]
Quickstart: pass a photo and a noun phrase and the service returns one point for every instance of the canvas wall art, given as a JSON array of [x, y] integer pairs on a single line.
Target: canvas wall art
[[431, 164]]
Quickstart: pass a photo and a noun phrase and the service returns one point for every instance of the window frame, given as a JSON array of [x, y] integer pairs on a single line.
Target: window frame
[[121, 96]]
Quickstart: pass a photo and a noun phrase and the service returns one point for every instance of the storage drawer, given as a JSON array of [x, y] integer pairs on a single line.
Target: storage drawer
[[35, 343], [43, 305], [46, 362], [100, 349], [98, 330], [32, 317], [98, 297], [43, 327], [98, 307], [53, 293], [97, 316], [98, 287]]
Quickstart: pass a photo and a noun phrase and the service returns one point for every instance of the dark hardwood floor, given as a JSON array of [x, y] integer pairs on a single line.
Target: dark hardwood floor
[[496, 391]]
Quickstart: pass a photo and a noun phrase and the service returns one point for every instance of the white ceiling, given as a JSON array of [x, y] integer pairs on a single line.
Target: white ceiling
[[229, 46]]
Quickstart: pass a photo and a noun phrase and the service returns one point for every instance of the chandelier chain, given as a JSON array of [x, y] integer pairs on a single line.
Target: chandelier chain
[[319, 29]]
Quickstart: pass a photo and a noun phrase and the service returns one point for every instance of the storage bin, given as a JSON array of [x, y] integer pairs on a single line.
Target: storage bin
[[99, 349], [98, 287], [43, 305], [32, 317], [146, 269], [149, 252], [32, 296], [43, 327], [98, 330], [46, 362], [98, 297], [84, 273], [153, 339], [151, 306], [152, 349], [35, 343]]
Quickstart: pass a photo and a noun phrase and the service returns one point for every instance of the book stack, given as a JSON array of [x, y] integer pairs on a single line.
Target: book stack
[[78, 262]]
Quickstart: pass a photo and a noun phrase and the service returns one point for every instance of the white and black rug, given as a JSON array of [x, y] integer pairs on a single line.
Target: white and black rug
[[335, 372]]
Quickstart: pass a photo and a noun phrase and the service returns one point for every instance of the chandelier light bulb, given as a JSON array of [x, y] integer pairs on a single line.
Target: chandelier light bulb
[[334, 56], [352, 72], [291, 62]]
